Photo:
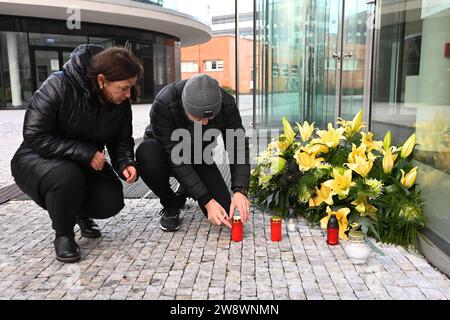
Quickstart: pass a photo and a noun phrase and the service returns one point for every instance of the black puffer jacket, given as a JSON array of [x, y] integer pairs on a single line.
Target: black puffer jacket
[[64, 121], [167, 114]]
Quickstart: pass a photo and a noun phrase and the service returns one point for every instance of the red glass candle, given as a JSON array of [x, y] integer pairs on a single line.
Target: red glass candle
[[333, 231], [236, 229], [275, 229]]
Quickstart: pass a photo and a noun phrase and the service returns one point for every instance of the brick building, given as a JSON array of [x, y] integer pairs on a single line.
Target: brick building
[[217, 59]]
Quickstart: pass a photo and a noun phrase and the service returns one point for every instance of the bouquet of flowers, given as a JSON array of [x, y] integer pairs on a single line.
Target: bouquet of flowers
[[369, 185]]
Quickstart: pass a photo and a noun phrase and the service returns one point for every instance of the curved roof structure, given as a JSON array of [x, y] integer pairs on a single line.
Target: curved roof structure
[[188, 29]]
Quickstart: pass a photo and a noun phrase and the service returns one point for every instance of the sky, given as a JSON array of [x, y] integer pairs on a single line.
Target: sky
[[218, 8]]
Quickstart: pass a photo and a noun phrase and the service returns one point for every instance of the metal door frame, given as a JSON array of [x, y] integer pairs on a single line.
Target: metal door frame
[[368, 61], [371, 25], [338, 54]]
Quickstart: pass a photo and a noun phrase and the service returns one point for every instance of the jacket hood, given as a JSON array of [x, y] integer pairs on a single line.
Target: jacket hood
[[77, 67]]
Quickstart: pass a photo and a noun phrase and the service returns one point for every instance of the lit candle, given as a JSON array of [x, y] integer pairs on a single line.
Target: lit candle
[[291, 221], [291, 227]]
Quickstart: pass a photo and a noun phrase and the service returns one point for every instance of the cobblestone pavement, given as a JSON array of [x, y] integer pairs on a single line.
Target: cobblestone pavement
[[136, 260], [11, 122]]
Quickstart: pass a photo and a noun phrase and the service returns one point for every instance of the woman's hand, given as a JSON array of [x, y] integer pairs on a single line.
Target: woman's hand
[[240, 202], [130, 173], [217, 214], [98, 160]]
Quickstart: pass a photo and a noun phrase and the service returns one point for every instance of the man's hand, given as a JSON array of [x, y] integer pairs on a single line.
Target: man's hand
[[98, 160], [240, 202], [217, 214], [130, 173]]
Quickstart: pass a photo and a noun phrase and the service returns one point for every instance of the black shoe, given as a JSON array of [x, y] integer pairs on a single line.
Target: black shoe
[[89, 228], [66, 249], [170, 220]]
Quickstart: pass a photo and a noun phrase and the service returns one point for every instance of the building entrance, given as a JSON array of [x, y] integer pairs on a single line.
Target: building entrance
[[45, 61]]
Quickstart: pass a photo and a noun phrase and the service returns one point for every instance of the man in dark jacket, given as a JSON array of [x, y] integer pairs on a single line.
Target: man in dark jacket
[[197, 103]]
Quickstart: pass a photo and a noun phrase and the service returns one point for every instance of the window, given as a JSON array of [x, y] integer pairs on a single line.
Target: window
[[406, 101], [189, 66], [294, 71], [275, 70], [285, 70], [14, 93], [214, 65]]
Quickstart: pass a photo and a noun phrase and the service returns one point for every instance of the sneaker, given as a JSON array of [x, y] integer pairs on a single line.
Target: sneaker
[[170, 220]]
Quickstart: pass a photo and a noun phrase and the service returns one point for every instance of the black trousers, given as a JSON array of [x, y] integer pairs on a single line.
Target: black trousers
[[71, 191], [154, 169]]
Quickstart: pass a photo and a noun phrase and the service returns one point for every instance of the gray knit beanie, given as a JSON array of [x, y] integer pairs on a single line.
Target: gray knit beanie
[[201, 96]]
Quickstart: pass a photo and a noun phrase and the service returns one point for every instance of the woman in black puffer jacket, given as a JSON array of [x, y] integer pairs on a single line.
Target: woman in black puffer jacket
[[69, 121]]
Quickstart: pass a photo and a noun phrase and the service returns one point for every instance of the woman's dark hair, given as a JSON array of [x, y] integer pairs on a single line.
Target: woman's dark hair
[[115, 64]]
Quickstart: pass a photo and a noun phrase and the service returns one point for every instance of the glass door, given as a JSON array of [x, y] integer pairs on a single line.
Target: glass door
[[313, 60], [355, 57], [46, 62], [341, 65], [65, 56], [327, 94], [144, 52]]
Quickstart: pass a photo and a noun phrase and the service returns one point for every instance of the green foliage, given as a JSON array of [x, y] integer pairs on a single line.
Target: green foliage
[[314, 175]]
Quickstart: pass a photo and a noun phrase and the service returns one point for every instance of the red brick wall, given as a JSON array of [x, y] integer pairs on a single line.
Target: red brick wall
[[222, 48]]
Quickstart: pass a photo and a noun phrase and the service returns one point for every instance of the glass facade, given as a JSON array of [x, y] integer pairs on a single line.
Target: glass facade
[[31, 49], [319, 59], [411, 93], [310, 59], [16, 83]]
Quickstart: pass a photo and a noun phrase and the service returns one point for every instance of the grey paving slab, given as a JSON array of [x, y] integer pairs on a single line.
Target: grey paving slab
[[135, 260]]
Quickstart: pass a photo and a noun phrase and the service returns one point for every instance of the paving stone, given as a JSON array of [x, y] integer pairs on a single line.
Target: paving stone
[[135, 260], [199, 295], [433, 294]]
